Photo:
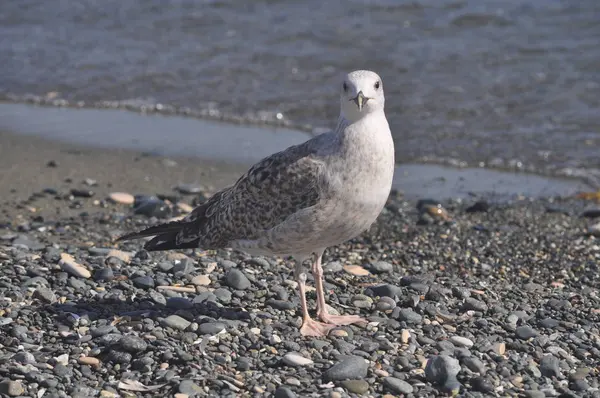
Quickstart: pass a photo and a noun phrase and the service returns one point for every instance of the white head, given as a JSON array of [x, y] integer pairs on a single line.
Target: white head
[[361, 94]]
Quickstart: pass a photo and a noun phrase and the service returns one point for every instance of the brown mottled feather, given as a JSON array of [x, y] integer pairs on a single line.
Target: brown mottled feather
[[271, 191]]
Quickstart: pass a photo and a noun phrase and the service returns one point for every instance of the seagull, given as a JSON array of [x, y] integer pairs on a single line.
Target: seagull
[[302, 200]]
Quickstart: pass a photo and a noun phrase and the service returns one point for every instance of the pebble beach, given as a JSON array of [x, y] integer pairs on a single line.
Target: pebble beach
[[464, 297]]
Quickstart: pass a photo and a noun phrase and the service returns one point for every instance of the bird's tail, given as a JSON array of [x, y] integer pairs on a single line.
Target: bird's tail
[[165, 236]]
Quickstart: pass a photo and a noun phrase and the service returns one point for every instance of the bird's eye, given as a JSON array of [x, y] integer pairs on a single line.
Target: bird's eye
[[377, 85], [345, 87]]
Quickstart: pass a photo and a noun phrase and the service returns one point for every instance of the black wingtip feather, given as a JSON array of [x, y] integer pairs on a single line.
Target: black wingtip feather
[[168, 241], [166, 228]]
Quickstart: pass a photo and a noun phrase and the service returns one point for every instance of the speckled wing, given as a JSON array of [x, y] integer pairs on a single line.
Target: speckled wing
[[271, 191]]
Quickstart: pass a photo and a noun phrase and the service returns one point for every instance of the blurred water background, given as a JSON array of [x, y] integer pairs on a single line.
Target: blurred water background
[[507, 84]]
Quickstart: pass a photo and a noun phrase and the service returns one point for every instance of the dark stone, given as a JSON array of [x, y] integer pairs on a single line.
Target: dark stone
[[349, 368], [143, 282], [237, 280]]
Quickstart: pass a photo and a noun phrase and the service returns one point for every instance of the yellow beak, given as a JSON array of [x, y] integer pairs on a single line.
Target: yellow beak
[[360, 100]]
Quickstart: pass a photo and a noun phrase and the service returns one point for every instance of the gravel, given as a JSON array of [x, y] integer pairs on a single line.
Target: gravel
[[500, 298]]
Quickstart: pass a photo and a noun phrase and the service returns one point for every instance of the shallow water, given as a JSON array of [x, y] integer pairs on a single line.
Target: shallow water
[[241, 146], [499, 83]]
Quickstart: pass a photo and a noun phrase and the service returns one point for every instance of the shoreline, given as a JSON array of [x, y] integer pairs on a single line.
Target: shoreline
[[125, 144]]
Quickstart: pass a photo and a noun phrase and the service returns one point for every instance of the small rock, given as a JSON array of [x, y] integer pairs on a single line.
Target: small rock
[[104, 274], [190, 388], [398, 386], [525, 332], [295, 359], [133, 344], [284, 392], [24, 357], [386, 290], [68, 264], [386, 304], [332, 267], [211, 328], [44, 294], [143, 282], [350, 368], [179, 303], [356, 386], [482, 384], [151, 206], [82, 193], [237, 280], [121, 197], [474, 364], [356, 270], [441, 368], [472, 304], [461, 341], [409, 316], [90, 361], [119, 357], [201, 280], [12, 388], [550, 366], [121, 255], [381, 267], [176, 322]]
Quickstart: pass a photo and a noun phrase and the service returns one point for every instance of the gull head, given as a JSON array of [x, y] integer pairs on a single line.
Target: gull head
[[361, 93]]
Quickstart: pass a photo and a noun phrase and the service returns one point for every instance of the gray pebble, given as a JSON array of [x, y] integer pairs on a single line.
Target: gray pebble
[[525, 332], [408, 315], [397, 385], [101, 330], [550, 366], [175, 322], [472, 304], [211, 328], [119, 357], [284, 392], [332, 267], [184, 267], [133, 344], [104, 274], [44, 294], [237, 280], [441, 368], [386, 304], [143, 282], [350, 368], [381, 267], [223, 295], [12, 388], [280, 304], [190, 388], [24, 357], [179, 303], [386, 290], [474, 364], [356, 386]]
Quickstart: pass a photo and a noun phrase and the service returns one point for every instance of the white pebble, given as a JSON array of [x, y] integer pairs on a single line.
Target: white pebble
[[121, 197], [461, 341], [68, 264], [295, 359]]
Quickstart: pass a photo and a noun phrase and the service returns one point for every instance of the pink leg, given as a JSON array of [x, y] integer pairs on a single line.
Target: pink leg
[[335, 320], [310, 327]]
